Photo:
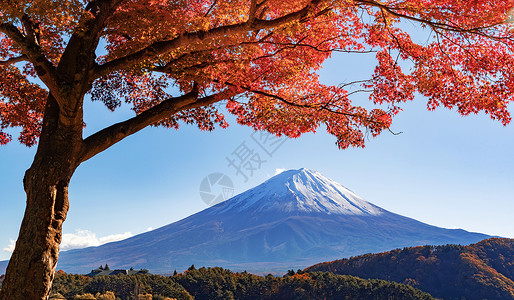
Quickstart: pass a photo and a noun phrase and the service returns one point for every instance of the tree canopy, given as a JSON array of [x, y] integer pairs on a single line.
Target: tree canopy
[[258, 57]]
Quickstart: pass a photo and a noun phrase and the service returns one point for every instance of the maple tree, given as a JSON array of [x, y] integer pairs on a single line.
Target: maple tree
[[173, 60]]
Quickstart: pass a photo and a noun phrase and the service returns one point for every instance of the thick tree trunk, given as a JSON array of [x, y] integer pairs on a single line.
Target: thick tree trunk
[[32, 265]]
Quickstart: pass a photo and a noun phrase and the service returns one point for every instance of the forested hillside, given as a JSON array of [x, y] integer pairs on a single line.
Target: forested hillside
[[218, 283], [484, 270]]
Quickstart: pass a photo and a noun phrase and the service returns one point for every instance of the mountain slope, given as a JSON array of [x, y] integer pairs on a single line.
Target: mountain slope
[[292, 220], [484, 270]]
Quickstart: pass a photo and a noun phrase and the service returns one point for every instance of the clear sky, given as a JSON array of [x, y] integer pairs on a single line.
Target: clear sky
[[444, 169]]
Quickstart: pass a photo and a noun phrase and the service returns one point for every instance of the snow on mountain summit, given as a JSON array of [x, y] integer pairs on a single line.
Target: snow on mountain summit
[[301, 190]]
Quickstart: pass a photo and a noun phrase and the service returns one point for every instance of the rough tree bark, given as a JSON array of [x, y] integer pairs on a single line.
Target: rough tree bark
[[32, 265]]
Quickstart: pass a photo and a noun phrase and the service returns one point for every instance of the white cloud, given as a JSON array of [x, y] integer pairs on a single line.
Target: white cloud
[[85, 238], [115, 237], [278, 171], [149, 228], [10, 247], [80, 239]]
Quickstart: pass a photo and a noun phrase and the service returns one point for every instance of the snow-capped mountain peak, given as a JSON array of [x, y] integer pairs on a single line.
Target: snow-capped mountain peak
[[294, 219], [303, 191]]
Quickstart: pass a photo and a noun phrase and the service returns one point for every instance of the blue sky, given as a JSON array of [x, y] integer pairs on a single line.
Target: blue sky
[[444, 169]]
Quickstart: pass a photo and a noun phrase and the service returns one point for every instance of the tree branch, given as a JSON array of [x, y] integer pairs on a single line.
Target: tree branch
[[13, 60], [101, 10], [211, 99], [31, 29], [35, 55], [84, 40], [438, 25], [308, 106], [163, 47], [109, 136], [252, 14], [210, 8]]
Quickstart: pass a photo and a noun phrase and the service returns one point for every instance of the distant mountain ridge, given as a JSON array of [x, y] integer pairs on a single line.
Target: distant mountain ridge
[[293, 220], [484, 270]]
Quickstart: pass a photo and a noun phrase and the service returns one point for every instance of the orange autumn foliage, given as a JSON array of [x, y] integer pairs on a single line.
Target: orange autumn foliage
[[259, 58], [484, 270]]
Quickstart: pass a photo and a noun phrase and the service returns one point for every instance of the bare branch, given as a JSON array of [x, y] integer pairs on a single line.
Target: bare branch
[[432, 24], [314, 47], [210, 8], [359, 91], [394, 133], [288, 102]]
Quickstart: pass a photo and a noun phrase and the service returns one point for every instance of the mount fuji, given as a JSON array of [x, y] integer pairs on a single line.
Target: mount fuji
[[293, 220]]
